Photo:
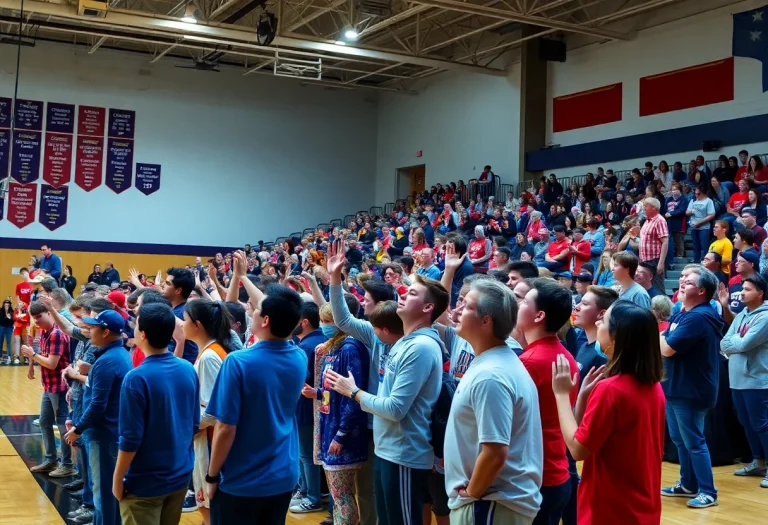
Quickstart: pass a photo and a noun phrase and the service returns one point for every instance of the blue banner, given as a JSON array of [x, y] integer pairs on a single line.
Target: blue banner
[[147, 178], [29, 115], [25, 164], [119, 175], [5, 113], [122, 123], [60, 118], [53, 206], [5, 150]]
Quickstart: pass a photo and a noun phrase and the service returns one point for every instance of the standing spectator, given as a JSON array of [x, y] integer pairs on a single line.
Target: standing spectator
[[691, 347], [580, 250], [747, 264], [177, 287], [6, 329], [618, 420], [101, 413], [95, 276], [68, 280], [746, 345], [480, 250], [50, 262], [53, 359], [722, 245], [21, 322], [644, 277], [254, 464], [596, 240], [654, 240], [624, 267], [309, 335], [701, 211], [110, 275], [24, 288], [711, 262], [543, 312], [493, 444], [459, 244], [155, 457], [404, 403]]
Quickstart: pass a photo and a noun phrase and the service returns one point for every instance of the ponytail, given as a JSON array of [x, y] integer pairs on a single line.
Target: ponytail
[[214, 319]]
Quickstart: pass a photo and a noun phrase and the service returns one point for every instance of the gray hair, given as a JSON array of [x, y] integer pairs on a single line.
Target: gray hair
[[61, 296], [498, 302], [653, 202], [661, 307], [535, 214], [707, 280]]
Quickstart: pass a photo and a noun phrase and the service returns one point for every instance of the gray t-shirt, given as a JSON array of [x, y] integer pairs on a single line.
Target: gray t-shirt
[[636, 294], [496, 402], [700, 209]]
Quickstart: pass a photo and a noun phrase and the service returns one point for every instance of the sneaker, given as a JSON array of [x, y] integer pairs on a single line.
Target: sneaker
[[297, 498], [78, 495], [753, 469], [702, 501], [305, 507], [36, 422], [764, 482], [45, 468], [678, 491], [75, 485], [85, 517], [190, 502], [63, 472], [75, 513], [16, 361]]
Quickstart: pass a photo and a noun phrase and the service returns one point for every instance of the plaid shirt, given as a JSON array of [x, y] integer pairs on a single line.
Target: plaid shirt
[[651, 234], [54, 342]]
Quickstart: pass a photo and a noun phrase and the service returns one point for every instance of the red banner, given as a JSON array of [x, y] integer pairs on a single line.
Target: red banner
[[91, 121], [587, 108], [89, 162], [57, 163], [22, 202], [690, 87]]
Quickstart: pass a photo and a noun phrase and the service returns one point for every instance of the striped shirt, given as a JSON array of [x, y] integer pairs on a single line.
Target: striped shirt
[[54, 342]]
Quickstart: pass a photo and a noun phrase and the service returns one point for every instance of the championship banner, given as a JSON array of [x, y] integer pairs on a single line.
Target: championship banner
[[5, 151], [147, 178], [587, 108], [90, 121], [60, 118], [5, 113], [53, 206], [119, 164], [29, 115], [25, 161], [121, 124], [89, 162], [57, 166], [690, 87], [22, 199]]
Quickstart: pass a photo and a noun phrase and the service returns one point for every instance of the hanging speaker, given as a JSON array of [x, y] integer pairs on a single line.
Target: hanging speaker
[[551, 50]]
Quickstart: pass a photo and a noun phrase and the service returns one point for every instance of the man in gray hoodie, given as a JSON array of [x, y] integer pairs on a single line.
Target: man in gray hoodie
[[403, 405], [746, 345]]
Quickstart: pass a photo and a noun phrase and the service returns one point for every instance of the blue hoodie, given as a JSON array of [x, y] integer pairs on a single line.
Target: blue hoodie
[[692, 373], [405, 400], [746, 345]]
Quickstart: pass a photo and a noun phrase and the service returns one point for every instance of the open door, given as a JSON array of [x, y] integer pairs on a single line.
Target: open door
[[410, 180]]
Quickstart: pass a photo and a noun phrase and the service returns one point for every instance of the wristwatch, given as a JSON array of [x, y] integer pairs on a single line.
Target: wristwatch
[[354, 393], [212, 479]]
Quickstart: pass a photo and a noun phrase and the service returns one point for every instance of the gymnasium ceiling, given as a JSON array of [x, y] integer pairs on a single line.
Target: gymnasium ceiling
[[400, 42]]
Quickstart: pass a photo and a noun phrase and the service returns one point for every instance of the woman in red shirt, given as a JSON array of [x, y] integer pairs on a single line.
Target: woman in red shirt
[[480, 250], [618, 422]]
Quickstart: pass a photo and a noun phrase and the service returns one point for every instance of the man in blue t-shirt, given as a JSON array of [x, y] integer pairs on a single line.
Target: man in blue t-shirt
[[177, 288], [691, 348], [155, 457], [254, 463]]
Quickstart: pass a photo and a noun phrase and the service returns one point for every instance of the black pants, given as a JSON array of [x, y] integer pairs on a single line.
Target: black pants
[[569, 512], [236, 510], [400, 493], [553, 502]]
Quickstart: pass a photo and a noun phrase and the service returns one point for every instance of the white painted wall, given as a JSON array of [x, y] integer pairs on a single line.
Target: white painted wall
[[243, 149], [460, 122], [666, 47]]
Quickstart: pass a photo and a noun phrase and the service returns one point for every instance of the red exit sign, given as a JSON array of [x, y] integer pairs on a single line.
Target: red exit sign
[[418, 153]]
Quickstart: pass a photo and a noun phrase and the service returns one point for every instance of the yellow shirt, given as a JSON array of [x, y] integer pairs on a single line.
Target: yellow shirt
[[725, 249]]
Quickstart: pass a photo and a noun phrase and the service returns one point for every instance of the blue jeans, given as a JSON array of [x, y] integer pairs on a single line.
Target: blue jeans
[[309, 480], [553, 502], [752, 409], [82, 455], [686, 429], [700, 244], [102, 456], [552, 266], [53, 408], [6, 336]]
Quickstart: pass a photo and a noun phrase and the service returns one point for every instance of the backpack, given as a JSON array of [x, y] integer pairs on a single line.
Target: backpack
[[439, 422]]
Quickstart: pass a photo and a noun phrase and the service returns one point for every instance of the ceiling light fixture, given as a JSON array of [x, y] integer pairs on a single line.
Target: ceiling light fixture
[[340, 43], [350, 34], [189, 15]]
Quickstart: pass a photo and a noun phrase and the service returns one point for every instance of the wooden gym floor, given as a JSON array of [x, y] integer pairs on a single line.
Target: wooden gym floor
[[26, 499]]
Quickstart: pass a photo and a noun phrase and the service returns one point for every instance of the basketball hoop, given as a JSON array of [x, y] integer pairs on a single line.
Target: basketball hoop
[[298, 68]]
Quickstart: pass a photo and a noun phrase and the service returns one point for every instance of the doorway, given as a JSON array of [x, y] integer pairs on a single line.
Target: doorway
[[410, 180]]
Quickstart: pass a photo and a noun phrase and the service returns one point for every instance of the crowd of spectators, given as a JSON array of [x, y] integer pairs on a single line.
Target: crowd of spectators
[[424, 361]]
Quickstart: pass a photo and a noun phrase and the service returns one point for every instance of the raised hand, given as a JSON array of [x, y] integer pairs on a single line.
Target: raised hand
[[336, 257], [212, 273], [239, 264], [593, 377], [722, 294], [133, 277], [452, 259], [562, 381]]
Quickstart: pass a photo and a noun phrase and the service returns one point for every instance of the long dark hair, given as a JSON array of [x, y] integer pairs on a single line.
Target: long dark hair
[[636, 348], [10, 304], [214, 319]]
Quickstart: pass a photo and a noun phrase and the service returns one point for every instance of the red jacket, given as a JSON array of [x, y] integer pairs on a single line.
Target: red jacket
[[582, 255]]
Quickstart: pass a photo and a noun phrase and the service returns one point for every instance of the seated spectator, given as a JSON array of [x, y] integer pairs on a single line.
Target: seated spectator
[[521, 245], [558, 252], [624, 267]]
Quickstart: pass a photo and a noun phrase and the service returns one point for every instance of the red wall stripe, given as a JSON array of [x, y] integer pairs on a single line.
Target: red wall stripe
[[587, 108]]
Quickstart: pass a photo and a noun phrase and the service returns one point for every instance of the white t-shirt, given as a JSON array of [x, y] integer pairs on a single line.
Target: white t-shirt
[[496, 402]]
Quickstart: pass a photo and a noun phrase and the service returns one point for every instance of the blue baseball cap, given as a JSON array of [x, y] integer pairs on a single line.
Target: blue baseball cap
[[565, 275], [109, 319]]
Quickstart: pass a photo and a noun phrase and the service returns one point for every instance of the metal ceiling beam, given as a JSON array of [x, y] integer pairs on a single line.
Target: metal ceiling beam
[[222, 8], [557, 3], [163, 53], [233, 36], [504, 14], [318, 13], [97, 45], [372, 73], [402, 15]]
